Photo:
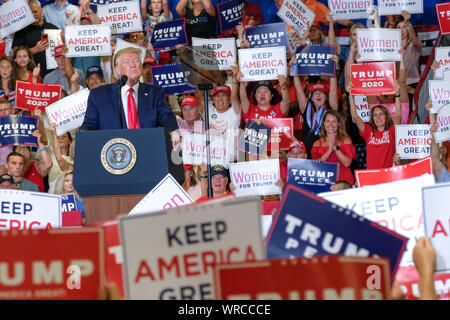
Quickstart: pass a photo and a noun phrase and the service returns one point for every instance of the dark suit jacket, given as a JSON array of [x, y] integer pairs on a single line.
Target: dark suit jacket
[[103, 109]]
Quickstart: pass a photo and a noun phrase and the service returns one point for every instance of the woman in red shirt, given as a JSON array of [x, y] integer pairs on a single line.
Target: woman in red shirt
[[26, 69], [334, 145]]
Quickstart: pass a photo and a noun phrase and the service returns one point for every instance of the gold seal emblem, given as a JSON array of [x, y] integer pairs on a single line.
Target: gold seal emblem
[[118, 156]]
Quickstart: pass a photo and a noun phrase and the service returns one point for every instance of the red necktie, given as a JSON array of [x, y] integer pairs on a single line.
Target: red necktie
[[133, 120]]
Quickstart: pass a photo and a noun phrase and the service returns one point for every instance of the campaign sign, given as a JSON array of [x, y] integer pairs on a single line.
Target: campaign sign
[[294, 40], [230, 14], [393, 7], [407, 171], [442, 55], [312, 175], [166, 35], [113, 253], [166, 194], [413, 141], [171, 78], [443, 14], [362, 108], [268, 35], [395, 205], [262, 63], [54, 40], [14, 16], [379, 44], [214, 54], [306, 225], [18, 130], [255, 178], [282, 133], [372, 79], [314, 60], [443, 124], [439, 91], [194, 149], [296, 14], [30, 96], [255, 138], [322, 278], [88, 40], [24, 210], [64, 264], [436, 202], [171, 254], [122, 17], [350, 9], [68, 202]]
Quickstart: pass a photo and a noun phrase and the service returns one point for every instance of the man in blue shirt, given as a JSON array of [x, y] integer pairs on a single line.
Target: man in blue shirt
[[59, 12]]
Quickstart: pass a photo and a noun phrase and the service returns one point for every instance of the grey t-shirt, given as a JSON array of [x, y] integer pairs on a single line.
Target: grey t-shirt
[[27, 185]]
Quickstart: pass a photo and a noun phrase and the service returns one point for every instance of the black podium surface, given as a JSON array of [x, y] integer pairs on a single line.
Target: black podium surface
[[100, 153]]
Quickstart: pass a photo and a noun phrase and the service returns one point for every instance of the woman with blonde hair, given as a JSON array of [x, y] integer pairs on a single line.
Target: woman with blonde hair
[[334, 145]]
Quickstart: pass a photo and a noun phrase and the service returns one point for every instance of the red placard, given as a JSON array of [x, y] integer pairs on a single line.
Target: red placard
[[372, 79], [443, 14], [43, 264], [281, 133], [408, 277], [407, 171], [269, 207], [319, 278], [113, 253], [72, 219], [30, 96]]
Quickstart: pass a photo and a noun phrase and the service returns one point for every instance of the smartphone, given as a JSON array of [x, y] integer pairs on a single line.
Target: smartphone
[[44, 37]]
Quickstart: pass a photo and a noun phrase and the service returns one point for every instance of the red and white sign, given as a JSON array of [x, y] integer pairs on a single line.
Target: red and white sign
[[72, 219], [30, 96], [122, 17], [379, 44], [407, 171], [350, 9], [443, 124], [413, 141], [214, 54], [372, 79], [258, 64], [443, 14], [394, 7], [194, 149], [88, 40], [171, 255], [14, 16], [63, 264], [442, 55], [439, 92], [113, 253], [297, 15], [281, 133], [362, 108], [321, 278]]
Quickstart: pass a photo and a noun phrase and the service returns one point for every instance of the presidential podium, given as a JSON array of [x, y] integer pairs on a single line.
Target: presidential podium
[[115, 169]]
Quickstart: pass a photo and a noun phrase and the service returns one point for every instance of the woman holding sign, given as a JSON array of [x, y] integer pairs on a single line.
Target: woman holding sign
[[26, 69], [335, 145]]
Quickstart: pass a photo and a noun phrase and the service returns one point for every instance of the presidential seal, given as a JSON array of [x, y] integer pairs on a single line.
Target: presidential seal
[[118, 156]]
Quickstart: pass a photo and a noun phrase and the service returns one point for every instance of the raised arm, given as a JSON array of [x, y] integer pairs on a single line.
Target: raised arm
[[209, 7], [235, 91], [62, 163], [144, 10], [166, 9], [284, 105], [349, 62], [404, 98], [355, 116], [44, 165], [424, 258], [398, 105], [302, 100], [333, 98], [181, 8], [412, 33], [331, 37], [434, 151], [245, 103]]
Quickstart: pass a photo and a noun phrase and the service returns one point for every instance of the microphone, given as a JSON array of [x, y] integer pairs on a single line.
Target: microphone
[[123, 80]]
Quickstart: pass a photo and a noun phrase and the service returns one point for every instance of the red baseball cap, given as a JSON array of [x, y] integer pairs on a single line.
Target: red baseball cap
[[298, 144], [319, 86], [222, 88], [189, 101], [59, 50]]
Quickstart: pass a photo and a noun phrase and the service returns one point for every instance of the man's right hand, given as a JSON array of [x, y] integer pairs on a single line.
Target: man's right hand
[[40, 46]]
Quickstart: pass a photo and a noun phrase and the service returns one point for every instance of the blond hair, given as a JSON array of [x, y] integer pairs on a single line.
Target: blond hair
[[131, 50]]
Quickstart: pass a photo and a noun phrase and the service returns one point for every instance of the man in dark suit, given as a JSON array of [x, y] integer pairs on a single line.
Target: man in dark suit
[[143, 104]]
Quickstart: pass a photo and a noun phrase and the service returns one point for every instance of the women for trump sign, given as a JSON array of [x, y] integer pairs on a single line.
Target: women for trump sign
[[377, 44]]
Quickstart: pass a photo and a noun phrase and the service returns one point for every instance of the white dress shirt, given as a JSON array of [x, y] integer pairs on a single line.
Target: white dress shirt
[[125, 93]]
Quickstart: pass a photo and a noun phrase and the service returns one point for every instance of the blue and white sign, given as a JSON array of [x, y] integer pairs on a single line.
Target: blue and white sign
[[171, 78], [306, 226], [166, 35], [255, 138], [17, 130], [230, 14], [312, 175], [268, 35], [314, 60], [68, 202]]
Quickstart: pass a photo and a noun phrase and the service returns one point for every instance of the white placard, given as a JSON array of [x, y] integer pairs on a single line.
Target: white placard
[[395, 205], [54, 40], [88, 40], [439, 92], [166, 194], [442, 55], [171, 254], [214, 54], [362, 108], [393, 7], [350, 9], [122, 44], [297, 15], [443, 124], [22, 210], [436, 216], [194, 149], [379, 44], [14, 16], [262, 63], [68, 113], [413, 141], [294, 40], [255, 178], [122, 17]]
